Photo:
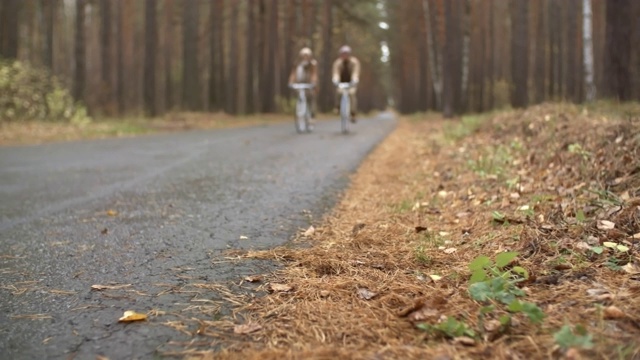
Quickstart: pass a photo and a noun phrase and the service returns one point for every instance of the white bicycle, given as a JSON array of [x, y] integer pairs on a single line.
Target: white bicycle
[[345, 105], [302, 120]]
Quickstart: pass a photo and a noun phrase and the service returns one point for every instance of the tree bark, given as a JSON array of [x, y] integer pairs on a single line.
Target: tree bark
[[151, 47], [434, 65], [49, 8], [618, 49], [190, 70], [216, 52], [232, 86], [251, 58], [519, 54], [120, 60], [105, 39], [587, 35], [269, 86], [327, 93], [448, 68], [540, 58], [168, 51], [79, 52], [9, 30]]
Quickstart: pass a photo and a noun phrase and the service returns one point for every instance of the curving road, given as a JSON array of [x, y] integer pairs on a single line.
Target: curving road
[[154, 213]]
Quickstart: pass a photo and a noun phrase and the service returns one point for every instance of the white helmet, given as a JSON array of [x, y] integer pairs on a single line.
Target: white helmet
[[345, 49], [305, 51]]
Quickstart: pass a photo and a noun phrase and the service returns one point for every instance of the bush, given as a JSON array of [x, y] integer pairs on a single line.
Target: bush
[[28, 93]]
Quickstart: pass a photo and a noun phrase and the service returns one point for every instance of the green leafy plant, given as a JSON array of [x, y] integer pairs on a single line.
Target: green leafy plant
[[571, 338], [450, 328], [491, 282]]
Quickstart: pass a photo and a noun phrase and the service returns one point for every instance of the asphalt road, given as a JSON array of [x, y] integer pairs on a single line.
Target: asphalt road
[[156, 212]]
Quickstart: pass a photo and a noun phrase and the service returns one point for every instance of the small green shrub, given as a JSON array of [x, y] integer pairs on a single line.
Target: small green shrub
[[29, 93]]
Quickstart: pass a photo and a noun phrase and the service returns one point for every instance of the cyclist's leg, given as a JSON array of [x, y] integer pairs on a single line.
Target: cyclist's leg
[[354, 104], [337, 101], [311, 101]]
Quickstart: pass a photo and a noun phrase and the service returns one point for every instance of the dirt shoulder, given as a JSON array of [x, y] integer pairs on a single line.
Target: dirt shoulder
[[513, 236]]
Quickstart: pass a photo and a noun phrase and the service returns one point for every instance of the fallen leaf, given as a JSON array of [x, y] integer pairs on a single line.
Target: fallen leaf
[[524, 208], [324, 293], [450, 250], [366, 294], [253, 278], [423, 314], [514, 195], [109, 287], [596, 292], [309, 231], [242, 237], [275, 287], [636, 236], [100, 357], [605, 225], [464, 340], [443, 233], [631, 268], [247, 328], [583, 245], [356, 228], [104, 231], [492, 325], [435, 277], [462, 214], [442, 194], [130, 316], [112, 213], [612, 312]]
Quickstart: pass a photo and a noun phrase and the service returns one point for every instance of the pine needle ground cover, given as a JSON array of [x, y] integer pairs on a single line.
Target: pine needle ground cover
[[508, 236]]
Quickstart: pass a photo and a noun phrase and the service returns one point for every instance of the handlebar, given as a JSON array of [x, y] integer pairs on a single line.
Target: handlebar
[[301, 86], [345, 85]]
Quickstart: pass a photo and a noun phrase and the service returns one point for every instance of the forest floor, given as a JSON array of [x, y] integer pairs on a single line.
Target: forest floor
[[513, 235]]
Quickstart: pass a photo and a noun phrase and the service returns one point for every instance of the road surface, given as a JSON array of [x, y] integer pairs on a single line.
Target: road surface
[[155, 214]]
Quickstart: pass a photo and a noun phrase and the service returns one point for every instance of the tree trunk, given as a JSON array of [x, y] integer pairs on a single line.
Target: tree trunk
[[79, 52], [434, 66], [492, 49], [587, 35], [572, 49], [519, 54], [49, 7], [232, 86], [216, 52], [540, 58], [9, 30], [269, 90], [190, 70], [618, 49], [327, 52], [120, 60], [464, 86], [168, 51], [251, 58], [448, 68], [151, 47], [105, 38]]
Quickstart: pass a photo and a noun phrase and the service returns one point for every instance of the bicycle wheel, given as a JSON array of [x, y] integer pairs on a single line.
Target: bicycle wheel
[[300, 117], [345, 113]]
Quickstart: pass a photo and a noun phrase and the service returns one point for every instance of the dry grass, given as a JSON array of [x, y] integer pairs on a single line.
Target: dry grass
[[422, 205]]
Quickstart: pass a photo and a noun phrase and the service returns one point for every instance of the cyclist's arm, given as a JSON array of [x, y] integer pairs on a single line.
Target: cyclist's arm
[[355, 77], [335, 71], [314, 72]]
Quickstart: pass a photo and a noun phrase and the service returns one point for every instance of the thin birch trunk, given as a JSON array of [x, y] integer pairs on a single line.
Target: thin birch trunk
[[587, 35], [434, 56]]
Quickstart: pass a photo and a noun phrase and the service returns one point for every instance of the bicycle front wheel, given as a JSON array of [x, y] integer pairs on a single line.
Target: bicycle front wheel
[[300, 120], [345, 113]]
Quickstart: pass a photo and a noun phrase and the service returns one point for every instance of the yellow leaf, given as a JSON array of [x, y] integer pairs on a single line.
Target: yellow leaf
[[112, 213], [130, 316], [280, 287], [609, 244], [109, 287], [242, 237], [435, 277], [309, 231]]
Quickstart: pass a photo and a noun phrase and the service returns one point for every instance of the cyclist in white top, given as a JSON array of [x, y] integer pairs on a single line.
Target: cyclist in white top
[[346, 69], [305, 71]]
